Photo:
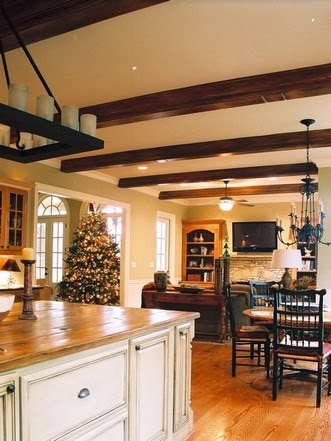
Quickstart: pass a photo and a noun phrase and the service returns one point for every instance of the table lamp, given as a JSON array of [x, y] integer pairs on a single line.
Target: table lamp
[[11, 266], [286, 259]]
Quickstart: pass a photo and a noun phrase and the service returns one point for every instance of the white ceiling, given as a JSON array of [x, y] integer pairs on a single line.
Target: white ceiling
[[182, 43]]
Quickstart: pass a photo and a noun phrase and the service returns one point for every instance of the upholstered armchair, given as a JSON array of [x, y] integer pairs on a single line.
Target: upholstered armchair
[[240, 301]]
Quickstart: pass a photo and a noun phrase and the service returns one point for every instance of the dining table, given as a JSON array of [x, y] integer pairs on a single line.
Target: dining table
[[266, 314]]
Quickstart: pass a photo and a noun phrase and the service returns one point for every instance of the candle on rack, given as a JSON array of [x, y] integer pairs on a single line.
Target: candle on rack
[[28, 254]]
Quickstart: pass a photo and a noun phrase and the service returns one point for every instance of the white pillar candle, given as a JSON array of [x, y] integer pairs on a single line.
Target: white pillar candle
[[26, 140], [88, 124], [69, 117], [4, 135], [18, 96], [28, 254], [38, 141], [45, 107]]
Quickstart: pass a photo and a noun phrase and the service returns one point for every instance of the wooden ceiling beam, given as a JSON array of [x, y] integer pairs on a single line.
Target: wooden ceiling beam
[[38, 20], [233, 191], [265, 171], [237, 92], [238, 146]]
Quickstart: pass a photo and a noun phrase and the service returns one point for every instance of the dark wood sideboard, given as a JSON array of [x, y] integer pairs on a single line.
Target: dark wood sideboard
[[212, 323], [18, 292]]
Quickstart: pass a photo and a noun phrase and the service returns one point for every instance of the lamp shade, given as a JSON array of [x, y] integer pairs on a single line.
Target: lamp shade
[[10, 265], [226, 204], [286, 259]]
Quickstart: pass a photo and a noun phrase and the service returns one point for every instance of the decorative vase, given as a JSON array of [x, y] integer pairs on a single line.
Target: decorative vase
[[160, 280], [201, 239], [195, 238]]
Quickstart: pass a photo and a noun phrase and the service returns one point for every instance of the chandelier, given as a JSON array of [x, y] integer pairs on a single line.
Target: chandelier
[[54, 140], [306, 227]]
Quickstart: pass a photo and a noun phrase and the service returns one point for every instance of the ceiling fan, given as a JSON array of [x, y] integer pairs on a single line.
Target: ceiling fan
[[226, 203]]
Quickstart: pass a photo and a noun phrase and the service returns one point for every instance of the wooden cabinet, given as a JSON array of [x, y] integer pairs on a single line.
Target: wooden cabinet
[[182, 379], [212, 323], [9, 408], [13, 206], [91, 372], [66, 400], [309, 265], [151, 386], [201, 245]]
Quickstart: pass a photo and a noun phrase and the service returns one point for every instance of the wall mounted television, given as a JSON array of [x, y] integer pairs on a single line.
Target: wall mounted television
[[254, 237]]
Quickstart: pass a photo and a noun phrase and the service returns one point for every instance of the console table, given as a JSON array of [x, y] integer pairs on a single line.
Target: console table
[[19, 291], [211, 324]]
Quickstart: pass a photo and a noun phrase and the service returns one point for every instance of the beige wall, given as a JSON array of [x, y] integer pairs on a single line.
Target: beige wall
[[260, 212], [143, 213], [143, 209]]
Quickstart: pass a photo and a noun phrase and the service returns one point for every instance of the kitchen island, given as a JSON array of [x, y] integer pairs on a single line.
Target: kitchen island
[[82, 372]]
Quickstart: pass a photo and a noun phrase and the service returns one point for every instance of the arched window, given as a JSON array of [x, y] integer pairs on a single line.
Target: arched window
[[114, 219], [51, 238]]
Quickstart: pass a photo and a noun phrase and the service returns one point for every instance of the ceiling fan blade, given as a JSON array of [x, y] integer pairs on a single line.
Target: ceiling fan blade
[[245, 205], [241, 200]]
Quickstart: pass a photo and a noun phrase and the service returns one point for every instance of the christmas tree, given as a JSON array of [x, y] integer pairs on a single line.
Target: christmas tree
[[92, 265]]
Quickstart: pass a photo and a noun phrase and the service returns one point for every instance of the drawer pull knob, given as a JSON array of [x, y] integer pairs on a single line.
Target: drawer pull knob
[[137, 347], [84, 393], [11, 388]]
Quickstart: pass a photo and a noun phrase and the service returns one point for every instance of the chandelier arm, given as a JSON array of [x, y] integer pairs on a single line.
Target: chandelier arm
[[324, 243], [279, 231], [18, 146], [28, 55]]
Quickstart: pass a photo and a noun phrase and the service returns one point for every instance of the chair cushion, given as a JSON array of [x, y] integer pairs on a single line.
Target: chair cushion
[[249, 332], [326, 349]]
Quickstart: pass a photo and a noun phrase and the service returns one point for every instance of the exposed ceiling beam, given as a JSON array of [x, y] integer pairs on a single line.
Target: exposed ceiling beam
[[265, 171], [38, 20], [237, 92], [237, 146], [233, 191]]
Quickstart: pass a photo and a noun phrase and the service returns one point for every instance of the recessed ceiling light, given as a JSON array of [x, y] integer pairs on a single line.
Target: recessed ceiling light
[[161, 161], [142, 167], [134, 67]]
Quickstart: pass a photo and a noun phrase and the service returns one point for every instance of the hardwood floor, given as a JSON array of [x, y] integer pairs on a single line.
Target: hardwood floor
[[241, 409]]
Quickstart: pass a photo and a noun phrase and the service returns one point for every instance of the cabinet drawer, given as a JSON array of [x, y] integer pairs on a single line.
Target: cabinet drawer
[[111, 427], [61, 398]]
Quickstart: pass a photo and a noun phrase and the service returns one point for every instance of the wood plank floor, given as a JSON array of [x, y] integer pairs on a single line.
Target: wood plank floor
[[241, 409]]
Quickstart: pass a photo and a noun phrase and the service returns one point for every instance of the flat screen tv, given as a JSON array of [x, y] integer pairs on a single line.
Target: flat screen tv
[[254, 237]]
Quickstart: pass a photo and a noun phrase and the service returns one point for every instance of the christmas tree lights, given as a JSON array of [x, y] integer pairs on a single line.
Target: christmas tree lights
[[92, 273]]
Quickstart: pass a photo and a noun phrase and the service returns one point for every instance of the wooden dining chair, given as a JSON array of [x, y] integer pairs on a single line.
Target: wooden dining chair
[[249, 342], [299, 348], [260, 292]]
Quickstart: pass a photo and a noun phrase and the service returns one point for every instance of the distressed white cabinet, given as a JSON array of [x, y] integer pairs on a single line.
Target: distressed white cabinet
[[121, 374], [160, 386], [9, 408], [182, 414], [151, 386], [68, 401]]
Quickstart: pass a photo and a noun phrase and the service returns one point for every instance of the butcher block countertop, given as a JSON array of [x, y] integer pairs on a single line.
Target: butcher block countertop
[[64, 328]]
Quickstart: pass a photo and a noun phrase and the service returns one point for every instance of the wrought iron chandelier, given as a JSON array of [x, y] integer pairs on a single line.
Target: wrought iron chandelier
[[56, 139], [306, 228]]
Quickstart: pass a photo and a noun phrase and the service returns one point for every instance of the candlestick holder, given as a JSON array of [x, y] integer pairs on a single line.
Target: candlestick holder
[[27, 310]]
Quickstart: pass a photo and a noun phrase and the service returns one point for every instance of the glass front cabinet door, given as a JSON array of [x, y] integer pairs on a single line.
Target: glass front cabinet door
[[12, 219]]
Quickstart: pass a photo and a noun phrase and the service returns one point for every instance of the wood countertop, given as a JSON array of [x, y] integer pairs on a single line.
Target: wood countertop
[[64, 328]]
